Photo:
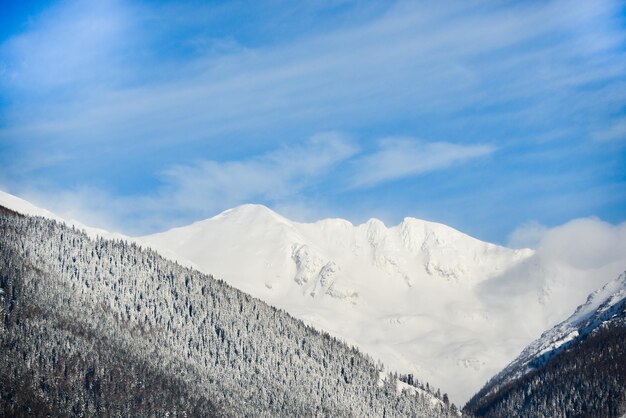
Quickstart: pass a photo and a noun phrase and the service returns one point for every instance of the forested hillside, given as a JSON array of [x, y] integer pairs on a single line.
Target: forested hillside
[[586, 380], [576, 369], [105, 328]]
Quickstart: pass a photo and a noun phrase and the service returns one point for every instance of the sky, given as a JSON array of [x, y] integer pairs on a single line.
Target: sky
[[500, 119]]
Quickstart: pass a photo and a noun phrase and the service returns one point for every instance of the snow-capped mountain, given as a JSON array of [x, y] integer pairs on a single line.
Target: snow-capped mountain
[[333, 258], [605, 306], [422, 297], [97, 327], [576, 368]]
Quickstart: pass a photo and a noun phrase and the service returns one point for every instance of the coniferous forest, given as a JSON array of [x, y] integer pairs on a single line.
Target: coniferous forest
[[588, 379], [106, 328]]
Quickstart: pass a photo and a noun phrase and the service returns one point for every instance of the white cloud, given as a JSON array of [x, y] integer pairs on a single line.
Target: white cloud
[[528, 235], [278, 174], [570, 261], [70, 44], [282, 178], [401, 157], [614, 132], [441, 60], [583, 243], [201, 189], [89, 206], [411, 59]]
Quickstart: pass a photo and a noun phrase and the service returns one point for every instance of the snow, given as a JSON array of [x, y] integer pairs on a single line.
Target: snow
[[26, 208], [401, 386], [420, 296], [602, 305]]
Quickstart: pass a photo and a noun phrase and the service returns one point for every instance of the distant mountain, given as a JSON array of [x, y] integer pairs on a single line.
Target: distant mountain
[[94, 327], [422, 297], [403, 294], [24, 207], [578, 368]]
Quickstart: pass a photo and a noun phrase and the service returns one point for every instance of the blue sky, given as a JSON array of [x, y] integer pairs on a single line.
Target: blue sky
[[487, 116]]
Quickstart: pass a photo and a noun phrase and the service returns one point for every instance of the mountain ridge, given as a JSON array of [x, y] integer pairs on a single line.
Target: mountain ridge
[[420, 296], [333, 275], [598, 309], [571, 370], [101, 327]]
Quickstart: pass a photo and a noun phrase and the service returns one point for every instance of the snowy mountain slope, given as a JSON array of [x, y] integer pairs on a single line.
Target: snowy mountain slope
[[26, 208], [604, 306], [97, 327], [576, 368], [421, 296]]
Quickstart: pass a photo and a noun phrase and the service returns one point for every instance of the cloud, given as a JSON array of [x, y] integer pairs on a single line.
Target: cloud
[[583, 243], [527, 235], [70, 45], [174, 98], [285, 178], [570, 261], [272, 176], [121, 86], [403, 157], [89, 206], [614, 132], [203, 188]]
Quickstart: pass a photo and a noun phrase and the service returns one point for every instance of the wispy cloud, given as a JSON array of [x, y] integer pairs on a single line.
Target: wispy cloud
[[71, 45], [427, 66], [616, 131], [205, 187], [282, 178], [269, 177], [402, 157], [180, 105]]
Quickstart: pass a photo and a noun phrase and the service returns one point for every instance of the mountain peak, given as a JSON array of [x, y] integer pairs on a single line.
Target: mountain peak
[[251, 212], [377, 224], [249, 208]]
